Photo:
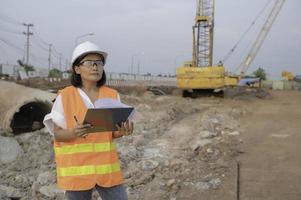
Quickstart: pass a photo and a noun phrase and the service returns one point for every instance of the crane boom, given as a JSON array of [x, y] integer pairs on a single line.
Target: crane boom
[[203, 34], [261, 36], [199, 75]]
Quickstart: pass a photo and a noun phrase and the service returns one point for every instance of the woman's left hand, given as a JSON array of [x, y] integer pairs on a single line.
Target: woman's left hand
[[126, 128]]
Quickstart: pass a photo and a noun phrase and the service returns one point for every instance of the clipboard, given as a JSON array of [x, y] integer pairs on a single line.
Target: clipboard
[[105, 119]]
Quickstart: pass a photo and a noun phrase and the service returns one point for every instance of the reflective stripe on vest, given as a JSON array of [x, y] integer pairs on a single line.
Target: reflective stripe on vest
[[85, 148], [88, 170]]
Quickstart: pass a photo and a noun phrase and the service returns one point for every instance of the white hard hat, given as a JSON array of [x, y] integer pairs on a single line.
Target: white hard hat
[[86, 48]]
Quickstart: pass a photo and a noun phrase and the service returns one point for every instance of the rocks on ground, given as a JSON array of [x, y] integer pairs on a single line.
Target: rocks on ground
[[179, 146]]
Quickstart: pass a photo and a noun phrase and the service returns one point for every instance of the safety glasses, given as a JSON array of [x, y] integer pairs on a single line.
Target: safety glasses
[[91, 63]]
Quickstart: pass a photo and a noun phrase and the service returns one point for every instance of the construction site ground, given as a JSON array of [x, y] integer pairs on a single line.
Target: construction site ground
[[271, 164], [183, 148]]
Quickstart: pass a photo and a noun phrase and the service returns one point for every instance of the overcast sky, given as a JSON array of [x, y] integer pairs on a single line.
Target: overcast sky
[[156, 35]]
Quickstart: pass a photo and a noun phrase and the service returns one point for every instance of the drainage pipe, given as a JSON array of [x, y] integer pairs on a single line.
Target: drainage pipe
[[22, 109]]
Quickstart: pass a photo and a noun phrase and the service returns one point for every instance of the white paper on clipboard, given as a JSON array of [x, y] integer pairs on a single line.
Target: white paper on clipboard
[[112, 103]]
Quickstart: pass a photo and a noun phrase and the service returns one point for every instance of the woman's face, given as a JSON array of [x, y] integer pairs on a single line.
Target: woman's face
[[90, 68]]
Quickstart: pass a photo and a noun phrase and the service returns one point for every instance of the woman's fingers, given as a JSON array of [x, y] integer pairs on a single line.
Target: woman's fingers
[[125, 125], [118, 127], [83, 126], [81, 130], [131, 127], [128, 127], [125, 128]]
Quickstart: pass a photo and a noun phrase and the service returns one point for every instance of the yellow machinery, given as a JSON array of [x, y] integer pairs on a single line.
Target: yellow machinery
[[287, 75], [191, 77], [199, 74]]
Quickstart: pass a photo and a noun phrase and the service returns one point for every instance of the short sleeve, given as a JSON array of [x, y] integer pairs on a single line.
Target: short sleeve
[[118, 97], [56, 116]]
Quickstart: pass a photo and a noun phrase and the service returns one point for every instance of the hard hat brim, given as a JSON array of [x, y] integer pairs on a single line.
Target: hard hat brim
[[102, 53]]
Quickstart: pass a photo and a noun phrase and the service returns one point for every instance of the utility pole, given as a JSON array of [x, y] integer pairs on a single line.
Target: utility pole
[[132, 64], [28, 33], [49, 58], [138, 68], [60, 62], [66, 64]]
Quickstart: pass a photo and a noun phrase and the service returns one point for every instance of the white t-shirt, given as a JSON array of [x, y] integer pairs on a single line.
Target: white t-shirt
[[57, 114]]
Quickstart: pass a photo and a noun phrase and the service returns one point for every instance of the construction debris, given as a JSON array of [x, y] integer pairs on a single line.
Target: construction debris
[[175, 152]]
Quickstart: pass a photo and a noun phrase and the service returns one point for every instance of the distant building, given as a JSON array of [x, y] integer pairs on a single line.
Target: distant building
[[65, 75], [9, 70], [32, 74], [42, 72]]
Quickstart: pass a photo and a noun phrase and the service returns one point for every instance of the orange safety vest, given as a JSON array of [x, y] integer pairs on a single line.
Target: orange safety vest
[[85, 162]]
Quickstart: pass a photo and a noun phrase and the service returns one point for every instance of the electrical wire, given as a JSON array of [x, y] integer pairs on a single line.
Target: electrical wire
[[41, 42], [38, 57], [227, 56], [39, 45], [58, 55], [38, 60], [39, 38], [10, 31], [54, 52], [11, 45], [10, 20], [3, 51]]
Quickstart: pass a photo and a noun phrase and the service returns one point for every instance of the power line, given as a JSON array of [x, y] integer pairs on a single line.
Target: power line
[[38, 60], [39, 44], [52, 50], [9, 20], [38, 57], [3, 51], [39, 38], [57, 54], [10, 31], [226, 57], [55, 51], [11, 45]]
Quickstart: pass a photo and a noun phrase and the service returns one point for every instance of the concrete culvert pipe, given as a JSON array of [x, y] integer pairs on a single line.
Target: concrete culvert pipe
[[22, 109]]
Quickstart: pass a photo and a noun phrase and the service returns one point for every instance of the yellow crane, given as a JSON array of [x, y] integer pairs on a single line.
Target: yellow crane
[[287, 75], [200, 75]]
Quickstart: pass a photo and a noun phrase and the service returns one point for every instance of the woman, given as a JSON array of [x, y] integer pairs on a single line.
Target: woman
[[85, 161]]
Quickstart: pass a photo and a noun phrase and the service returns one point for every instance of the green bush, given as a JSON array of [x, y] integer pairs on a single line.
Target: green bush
[[55, 73], [260, 73]]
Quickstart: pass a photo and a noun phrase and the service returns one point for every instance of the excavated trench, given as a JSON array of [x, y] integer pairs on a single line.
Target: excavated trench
[[22, 109]]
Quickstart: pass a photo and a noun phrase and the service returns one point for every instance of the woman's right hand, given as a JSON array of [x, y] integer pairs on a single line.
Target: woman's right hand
[[67, 135], [80, 130]]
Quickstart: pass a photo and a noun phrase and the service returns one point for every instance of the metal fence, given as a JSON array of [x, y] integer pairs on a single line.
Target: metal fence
[[281, 85], [114, 79]]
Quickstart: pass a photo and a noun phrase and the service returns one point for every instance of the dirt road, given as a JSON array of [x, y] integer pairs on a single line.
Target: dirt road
[[271, 165]]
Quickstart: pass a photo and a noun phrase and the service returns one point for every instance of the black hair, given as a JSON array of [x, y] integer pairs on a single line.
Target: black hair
[[76, 79]]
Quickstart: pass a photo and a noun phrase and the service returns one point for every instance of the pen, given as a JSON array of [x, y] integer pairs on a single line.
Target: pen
[[75, 119]]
